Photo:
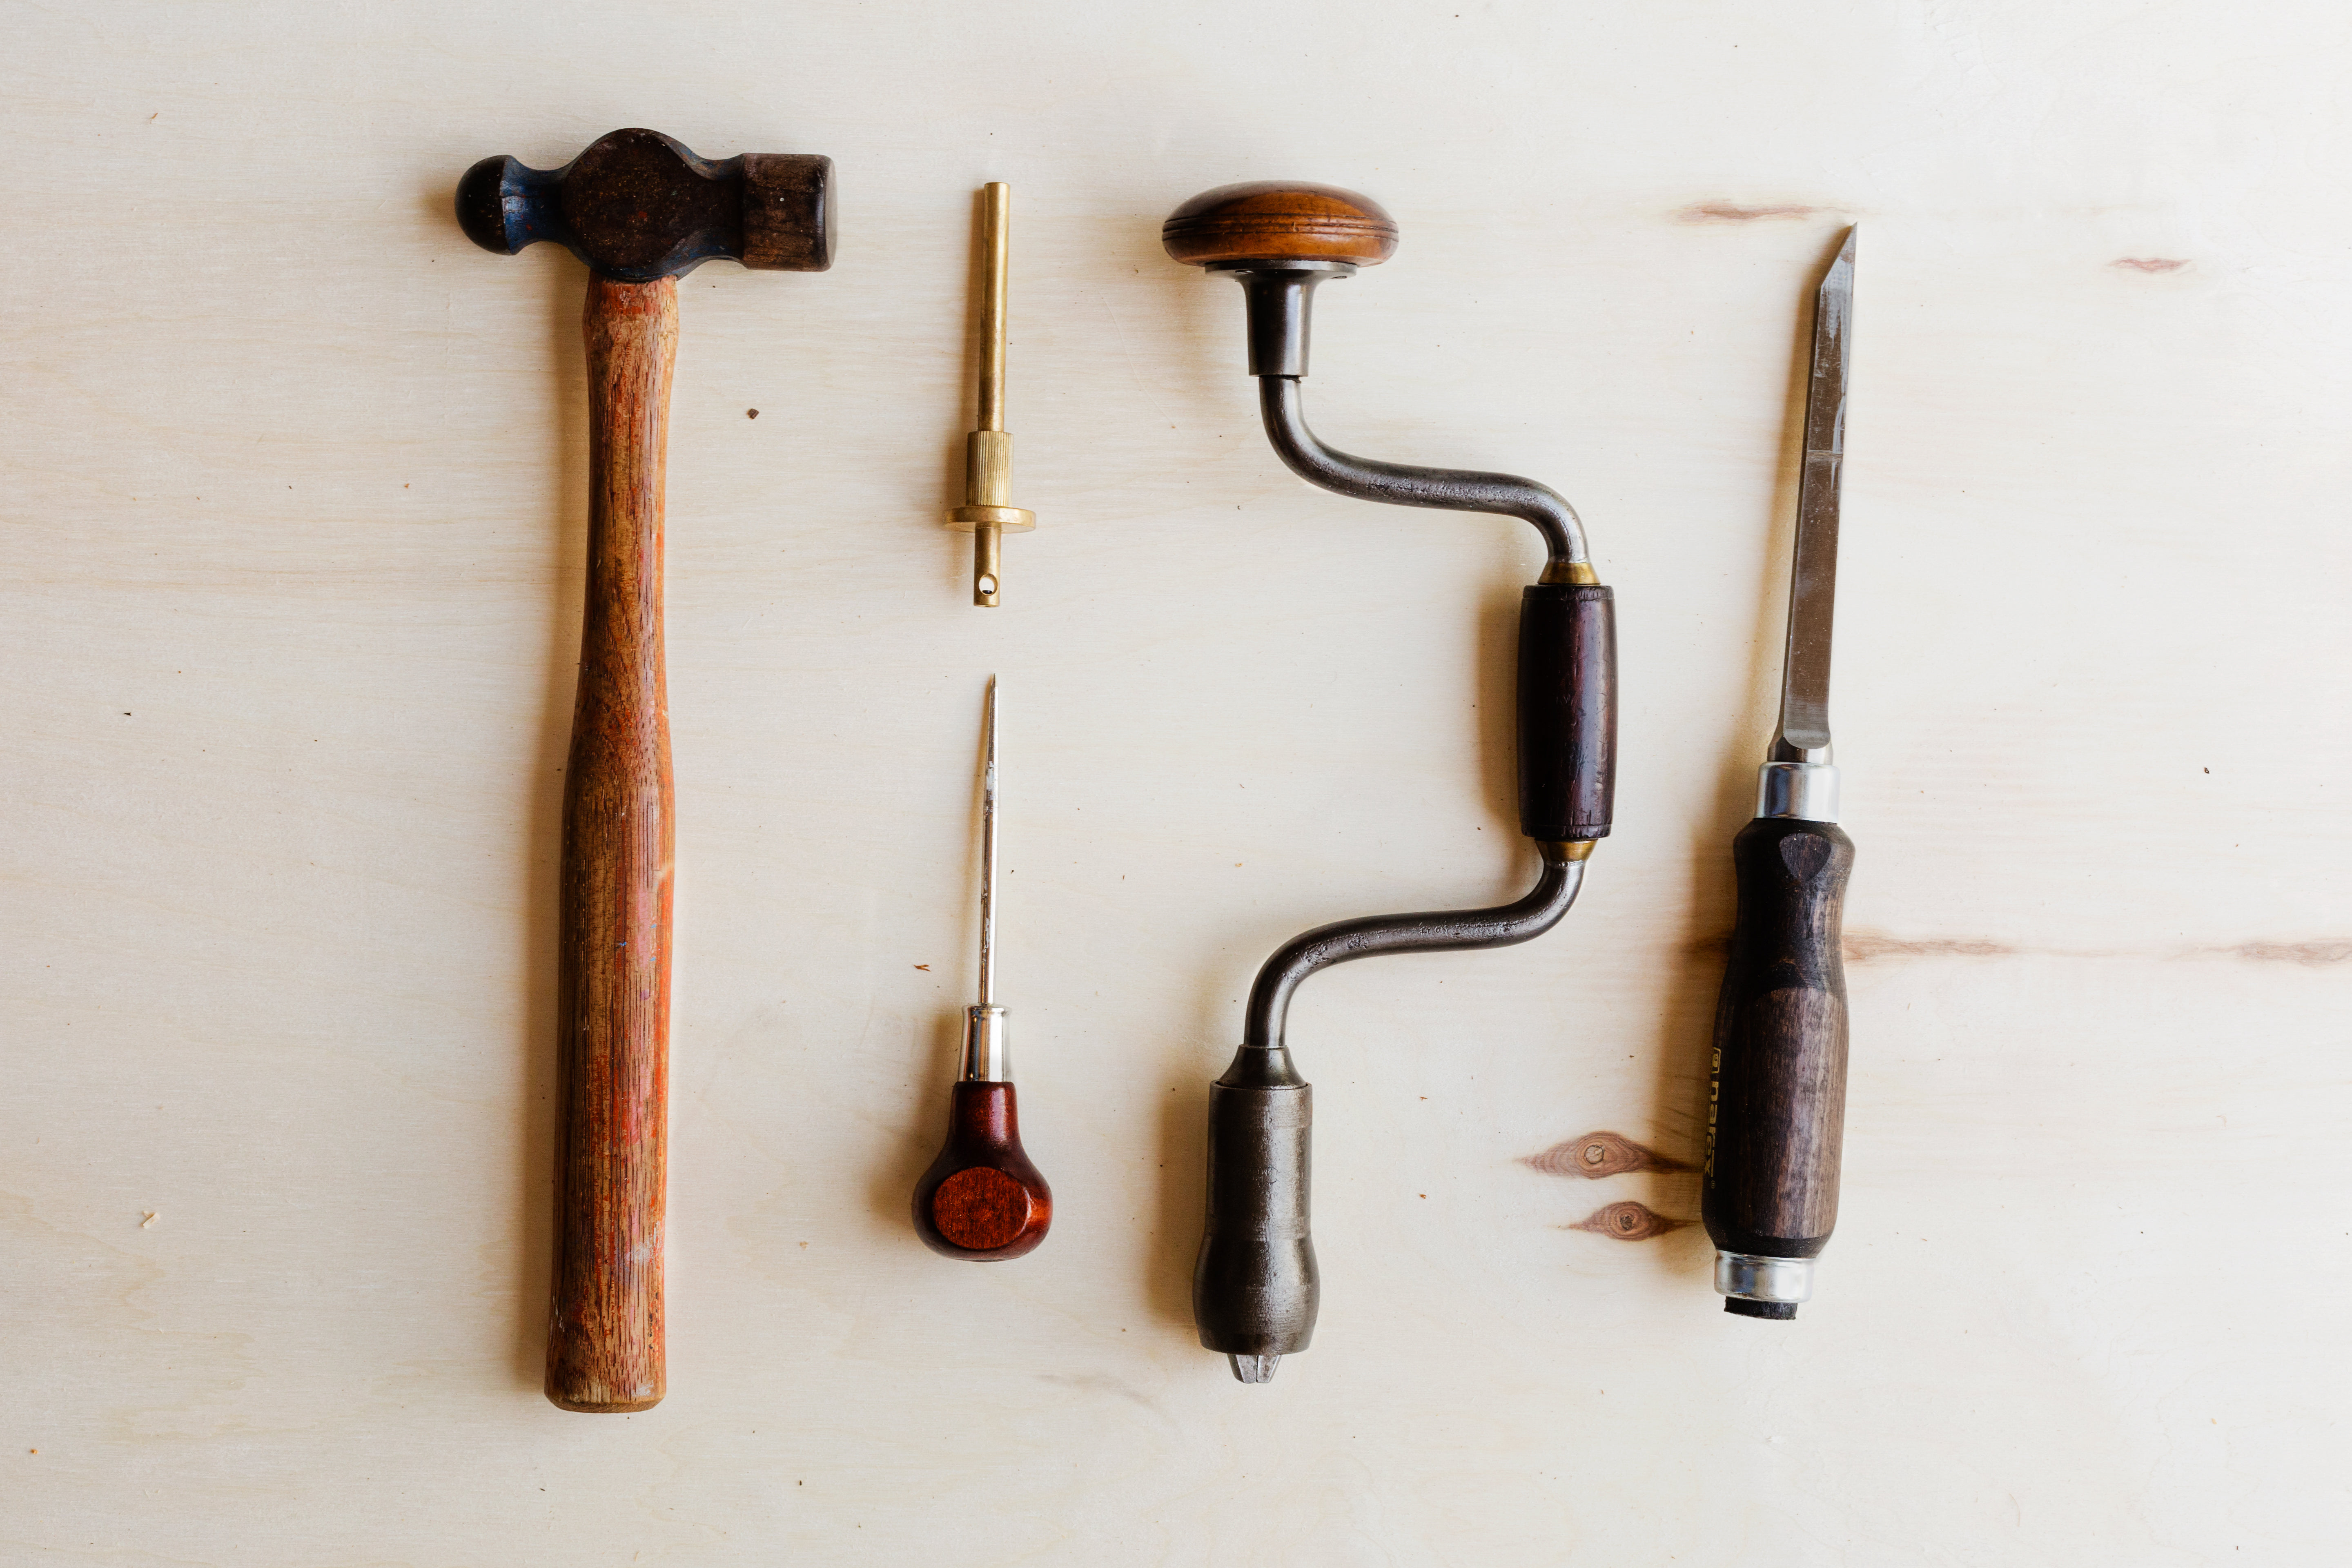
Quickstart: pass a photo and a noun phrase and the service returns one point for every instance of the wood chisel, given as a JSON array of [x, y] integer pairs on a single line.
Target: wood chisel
[[1776, 1086]]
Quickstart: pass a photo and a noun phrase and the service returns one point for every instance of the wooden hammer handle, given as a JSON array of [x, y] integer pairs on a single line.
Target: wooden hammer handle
[[604, 1336]]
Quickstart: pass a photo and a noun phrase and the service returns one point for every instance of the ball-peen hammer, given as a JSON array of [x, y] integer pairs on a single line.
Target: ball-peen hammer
[[641, 211]]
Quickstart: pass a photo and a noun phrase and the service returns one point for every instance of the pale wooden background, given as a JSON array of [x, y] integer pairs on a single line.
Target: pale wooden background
[[292, 481]]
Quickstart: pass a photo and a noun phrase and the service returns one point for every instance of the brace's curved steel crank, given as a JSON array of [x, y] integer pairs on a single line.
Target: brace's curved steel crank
[[1256, 1289]]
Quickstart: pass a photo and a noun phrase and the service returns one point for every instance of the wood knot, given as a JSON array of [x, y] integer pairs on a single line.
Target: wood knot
[[1597, 1154], [1628, 1221]]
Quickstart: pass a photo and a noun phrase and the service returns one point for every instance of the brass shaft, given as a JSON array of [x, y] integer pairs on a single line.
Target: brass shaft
[[987, 565], [997, 245], [996, 241], [988, 513]]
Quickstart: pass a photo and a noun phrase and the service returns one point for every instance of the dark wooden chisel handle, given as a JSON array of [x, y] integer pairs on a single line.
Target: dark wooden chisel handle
[[605, 1334], [1776, 1110]]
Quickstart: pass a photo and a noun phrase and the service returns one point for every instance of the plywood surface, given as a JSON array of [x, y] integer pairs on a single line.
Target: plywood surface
[[293, 479]]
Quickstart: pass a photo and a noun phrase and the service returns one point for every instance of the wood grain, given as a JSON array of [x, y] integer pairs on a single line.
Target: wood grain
[[982, 1199], [604, 1343], [1629, 1221], [1776, 1102], [283, 942], [1600, 1154], [1280, 220]]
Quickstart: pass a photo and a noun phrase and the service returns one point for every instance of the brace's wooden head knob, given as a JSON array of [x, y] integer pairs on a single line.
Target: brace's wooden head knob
[[1280, 220]]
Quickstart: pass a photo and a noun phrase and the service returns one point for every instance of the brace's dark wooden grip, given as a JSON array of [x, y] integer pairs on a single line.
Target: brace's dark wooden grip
[[1568, 710], [604, 1336], [1777, 1081], [982, 1199]]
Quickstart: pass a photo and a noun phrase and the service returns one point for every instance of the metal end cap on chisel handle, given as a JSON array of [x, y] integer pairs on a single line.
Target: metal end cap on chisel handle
[[1806, 790], [1758, 1286]]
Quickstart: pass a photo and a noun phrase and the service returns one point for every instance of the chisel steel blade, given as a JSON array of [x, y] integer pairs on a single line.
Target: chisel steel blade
[[1804, 734]]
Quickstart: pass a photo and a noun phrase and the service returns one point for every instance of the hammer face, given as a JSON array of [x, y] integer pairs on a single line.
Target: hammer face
[[639, 205], [787, 211]]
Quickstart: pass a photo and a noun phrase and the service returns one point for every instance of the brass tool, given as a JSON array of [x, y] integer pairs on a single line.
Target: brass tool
[[988, 513]]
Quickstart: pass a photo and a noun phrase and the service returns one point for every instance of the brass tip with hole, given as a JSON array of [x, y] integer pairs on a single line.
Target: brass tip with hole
[[988, 513]]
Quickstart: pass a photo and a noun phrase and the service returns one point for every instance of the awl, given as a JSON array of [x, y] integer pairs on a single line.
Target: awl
[[982, 1198], [1776, 1088]]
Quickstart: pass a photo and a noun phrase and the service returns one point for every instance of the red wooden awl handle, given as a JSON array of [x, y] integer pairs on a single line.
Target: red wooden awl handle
[[604, 1333]]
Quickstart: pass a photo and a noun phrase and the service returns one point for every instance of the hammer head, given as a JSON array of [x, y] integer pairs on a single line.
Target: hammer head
[[638, 205]]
